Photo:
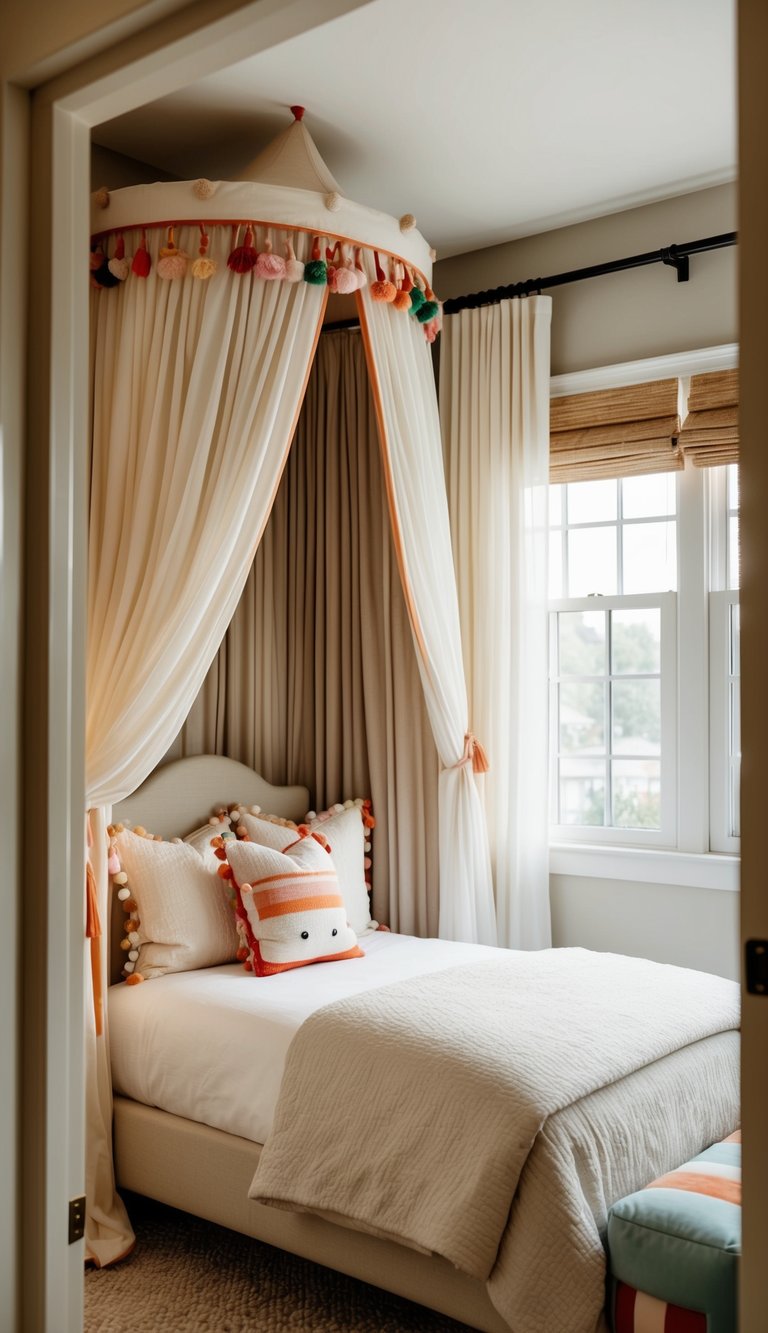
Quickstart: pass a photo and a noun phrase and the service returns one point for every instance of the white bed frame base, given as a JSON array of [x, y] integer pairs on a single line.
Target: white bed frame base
[[206, 1172]]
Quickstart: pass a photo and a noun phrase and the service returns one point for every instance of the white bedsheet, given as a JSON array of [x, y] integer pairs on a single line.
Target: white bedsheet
[[210, 1045]]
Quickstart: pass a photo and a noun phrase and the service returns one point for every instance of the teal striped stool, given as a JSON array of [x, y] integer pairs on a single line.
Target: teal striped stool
[[674, 1248]]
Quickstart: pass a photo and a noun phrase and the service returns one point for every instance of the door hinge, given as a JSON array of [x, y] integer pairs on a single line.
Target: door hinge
[[757, 967], [76, 1219]]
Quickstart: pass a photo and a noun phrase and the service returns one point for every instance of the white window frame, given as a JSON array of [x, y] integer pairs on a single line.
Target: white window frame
[[606, 835], [702, 561]]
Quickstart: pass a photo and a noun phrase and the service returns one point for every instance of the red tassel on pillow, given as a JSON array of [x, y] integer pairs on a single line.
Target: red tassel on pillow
[[243, 257], [381, 290]]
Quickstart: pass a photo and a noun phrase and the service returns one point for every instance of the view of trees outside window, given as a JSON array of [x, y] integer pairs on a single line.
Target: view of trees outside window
[[609, 539]]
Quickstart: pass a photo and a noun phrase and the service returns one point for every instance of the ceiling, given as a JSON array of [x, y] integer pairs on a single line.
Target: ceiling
[[488, 120]]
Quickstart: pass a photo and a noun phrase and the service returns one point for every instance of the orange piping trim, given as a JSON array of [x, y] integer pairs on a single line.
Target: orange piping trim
[[389, 482], [254, 222]]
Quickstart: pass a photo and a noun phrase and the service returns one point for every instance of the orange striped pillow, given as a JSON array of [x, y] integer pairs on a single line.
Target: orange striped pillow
[[289, 910]]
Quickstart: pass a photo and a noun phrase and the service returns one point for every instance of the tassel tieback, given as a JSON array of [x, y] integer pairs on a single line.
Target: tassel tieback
[[474, 754]]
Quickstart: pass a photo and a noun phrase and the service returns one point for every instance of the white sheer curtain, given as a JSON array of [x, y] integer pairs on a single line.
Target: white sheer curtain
[[494, 406], [400, 365], [196, 390]]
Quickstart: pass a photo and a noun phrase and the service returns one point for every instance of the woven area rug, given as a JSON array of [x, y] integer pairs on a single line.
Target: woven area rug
[[190, 1276]]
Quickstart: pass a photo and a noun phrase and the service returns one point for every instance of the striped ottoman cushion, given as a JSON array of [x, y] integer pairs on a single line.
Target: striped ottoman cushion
[[674, 1248]]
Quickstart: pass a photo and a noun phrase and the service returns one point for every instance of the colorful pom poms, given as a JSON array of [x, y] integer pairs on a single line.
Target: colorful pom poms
[[203, 267], [121, 877], [96, 259], [268, 265], [382, 289], [101, 197], [134, 979], [113, 864], [316, 272], [243, 257], [417, 299], [142, 262], [432, 329], [427, 312], [172, 262], [407, 222], [101, 275], [333, 201], [360, 274], [203, 188], [344, 277], [402, 299], [118, 264], [294, 269]]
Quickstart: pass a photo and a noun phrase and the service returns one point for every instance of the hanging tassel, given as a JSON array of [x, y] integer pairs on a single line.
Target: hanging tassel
[[381, 290], [243, 257], [142, 261], [268, 265], [432, 329], [429, 309], [315, 272], [402, 299], [360, 274], [203, 267], [294, 269], [346, 276], [172, 262], [118, 264], [417, 299], [100, 271]]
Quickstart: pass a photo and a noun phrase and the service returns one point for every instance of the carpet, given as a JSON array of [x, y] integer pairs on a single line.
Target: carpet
[[190, 1276]]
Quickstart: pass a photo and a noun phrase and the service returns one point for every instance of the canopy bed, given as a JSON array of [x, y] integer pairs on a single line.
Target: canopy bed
[[208, 300]]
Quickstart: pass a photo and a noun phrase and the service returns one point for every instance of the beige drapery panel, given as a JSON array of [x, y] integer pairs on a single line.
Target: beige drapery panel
[[316, 680], [196, 388], [615, 432], [710, 433], [494, 408]]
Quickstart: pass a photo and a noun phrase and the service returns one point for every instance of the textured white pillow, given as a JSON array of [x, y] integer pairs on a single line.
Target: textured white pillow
[[346, 836], [183, 918]]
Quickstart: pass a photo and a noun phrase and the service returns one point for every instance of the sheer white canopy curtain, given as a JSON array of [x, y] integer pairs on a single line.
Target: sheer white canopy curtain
[[316, 681], [494, 406], [196, 389], [402, 379]]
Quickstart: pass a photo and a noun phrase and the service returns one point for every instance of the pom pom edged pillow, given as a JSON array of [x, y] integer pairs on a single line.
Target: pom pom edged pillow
[[289, 910]]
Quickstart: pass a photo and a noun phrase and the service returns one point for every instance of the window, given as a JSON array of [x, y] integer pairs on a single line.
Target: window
[[644, 623]]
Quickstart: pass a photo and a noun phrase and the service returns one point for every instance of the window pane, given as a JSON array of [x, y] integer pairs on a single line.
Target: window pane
[[591, 562], [732, 472], [636, 717], [733, 552], [592, 501], [735, 640], [582, 643], [556, 564], [636, 793], [582, 718], [635, 641], [582, 791], [650, 557], [735, 820], [735, 710], [555, 506], [644, 497]]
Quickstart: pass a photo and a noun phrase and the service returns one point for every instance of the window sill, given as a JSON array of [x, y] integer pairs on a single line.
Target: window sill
[[646, 865]]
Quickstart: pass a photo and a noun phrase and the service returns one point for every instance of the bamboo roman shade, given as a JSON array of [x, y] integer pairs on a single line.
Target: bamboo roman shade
[[615, 432], [710, 434]]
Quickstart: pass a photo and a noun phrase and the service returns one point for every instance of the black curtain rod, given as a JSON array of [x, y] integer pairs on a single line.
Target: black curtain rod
[[674, 255]]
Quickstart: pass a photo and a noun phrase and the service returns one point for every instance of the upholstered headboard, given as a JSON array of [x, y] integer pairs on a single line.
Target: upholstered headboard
[[181, 795]]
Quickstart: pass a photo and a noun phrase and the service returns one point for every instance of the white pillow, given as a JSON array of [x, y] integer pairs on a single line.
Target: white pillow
[[347, 835], [182, 917]]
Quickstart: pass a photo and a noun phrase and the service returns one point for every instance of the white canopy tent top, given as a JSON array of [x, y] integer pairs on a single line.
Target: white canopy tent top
[[199, 372]]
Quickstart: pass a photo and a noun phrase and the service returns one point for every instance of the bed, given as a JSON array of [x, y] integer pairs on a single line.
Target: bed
[[192, 1116]]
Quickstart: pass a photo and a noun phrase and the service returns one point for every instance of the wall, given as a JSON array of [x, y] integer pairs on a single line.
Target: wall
[[621, 316], [625, 317], [115, 170], [670, 923]]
